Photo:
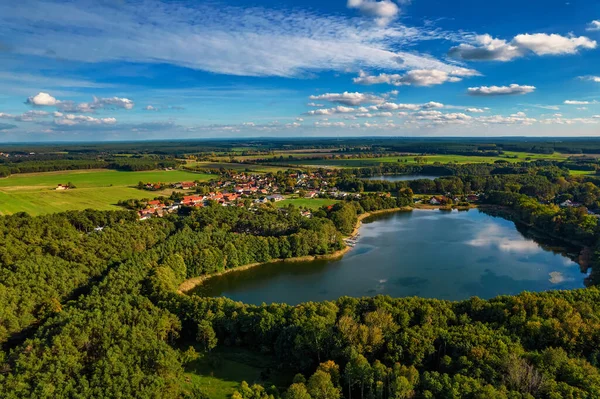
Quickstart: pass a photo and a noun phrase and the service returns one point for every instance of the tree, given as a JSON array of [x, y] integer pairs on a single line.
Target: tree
[[320, 386], [206, 335], [297, 391]]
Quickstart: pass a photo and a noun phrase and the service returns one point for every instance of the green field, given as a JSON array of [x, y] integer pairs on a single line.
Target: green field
[[428, 160], [219, 373], [35, 193], [311, 203]]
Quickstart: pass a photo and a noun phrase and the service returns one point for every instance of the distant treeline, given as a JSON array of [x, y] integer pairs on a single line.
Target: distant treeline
[[50, 165]]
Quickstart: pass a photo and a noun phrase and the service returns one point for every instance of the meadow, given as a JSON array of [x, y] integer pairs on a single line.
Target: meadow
[[220, 372], [35, 193]]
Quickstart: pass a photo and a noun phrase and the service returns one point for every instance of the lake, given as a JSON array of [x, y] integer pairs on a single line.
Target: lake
[[427, 253], [402, 177]]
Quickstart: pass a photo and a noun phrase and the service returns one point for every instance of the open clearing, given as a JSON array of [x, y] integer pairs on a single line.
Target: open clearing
[[219, 373], [101, 189]]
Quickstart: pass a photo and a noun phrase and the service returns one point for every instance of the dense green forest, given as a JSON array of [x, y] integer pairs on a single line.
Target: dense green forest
[[89, 304]]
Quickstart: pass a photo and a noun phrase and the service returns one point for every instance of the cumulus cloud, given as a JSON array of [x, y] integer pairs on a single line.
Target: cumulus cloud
[[384, 11], [45, 99], [416, 77], [150, 108], [513, 89], [388, 106], [487, 48], [593, 26], [42, 99], [474, 110], [347, 98]]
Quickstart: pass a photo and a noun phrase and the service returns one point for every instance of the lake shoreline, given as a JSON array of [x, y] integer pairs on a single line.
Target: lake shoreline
[[193, 282]]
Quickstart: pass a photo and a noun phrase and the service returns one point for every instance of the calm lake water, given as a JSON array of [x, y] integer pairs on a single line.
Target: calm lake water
[[428, 253], [402, 177]]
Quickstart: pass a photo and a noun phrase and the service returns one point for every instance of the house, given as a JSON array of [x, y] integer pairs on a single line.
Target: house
[[61, 187], [155, 204], [311, 194], [191, 200], [186, 185], [472, 197], [437, 200], [568, 203], [276, 197]]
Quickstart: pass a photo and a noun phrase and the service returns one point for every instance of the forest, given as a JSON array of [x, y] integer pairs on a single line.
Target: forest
[[89, 303]]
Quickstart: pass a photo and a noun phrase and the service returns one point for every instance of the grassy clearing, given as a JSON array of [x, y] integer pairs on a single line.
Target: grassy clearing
[[581, 172], [219, 373], [311, 203], [98, 189]]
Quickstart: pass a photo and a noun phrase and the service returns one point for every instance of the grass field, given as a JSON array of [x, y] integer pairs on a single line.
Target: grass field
[[429, 159], [311, 203], [98, 189], [219, 373]]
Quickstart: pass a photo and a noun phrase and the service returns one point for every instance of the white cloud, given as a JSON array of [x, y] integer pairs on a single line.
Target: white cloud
[[349, 98], [150, 108], [487, 48], [500, 90], [340, 109], [71, 120], [416, 77], [474, 110], [315, 105], [388, 106], [251, 41], [595, 79], [543, 44], [6, 116], [112, 102], [42, 99], [383, 11], [329, 124], [594, 26], [577, 102]]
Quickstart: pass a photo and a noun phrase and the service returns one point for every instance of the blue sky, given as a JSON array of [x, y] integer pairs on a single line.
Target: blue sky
[[122, 70]]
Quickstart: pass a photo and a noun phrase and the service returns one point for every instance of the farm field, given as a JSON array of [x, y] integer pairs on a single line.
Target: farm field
[[428, 160], [311, 203], [97, 189]]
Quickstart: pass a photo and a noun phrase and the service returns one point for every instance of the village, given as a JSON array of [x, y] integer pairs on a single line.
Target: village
[[242, 189]]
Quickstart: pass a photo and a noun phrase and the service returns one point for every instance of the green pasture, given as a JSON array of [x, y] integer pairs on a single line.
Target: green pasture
[[35, 193]]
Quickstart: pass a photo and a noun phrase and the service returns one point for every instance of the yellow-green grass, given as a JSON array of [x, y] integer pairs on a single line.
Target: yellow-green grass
[[581, 172], [311, 203], [35, 193], [219, 374]]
